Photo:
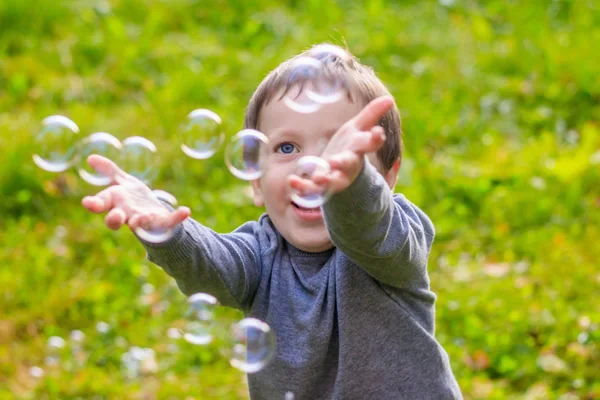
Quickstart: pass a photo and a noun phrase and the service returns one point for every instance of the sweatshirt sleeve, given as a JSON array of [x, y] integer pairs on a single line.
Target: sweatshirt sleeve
[[225, 265], [385, 234]]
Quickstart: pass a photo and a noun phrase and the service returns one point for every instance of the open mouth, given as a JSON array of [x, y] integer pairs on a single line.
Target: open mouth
[[314, 209]]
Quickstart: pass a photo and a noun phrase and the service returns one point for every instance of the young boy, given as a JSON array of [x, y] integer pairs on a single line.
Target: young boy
[[345, 286]]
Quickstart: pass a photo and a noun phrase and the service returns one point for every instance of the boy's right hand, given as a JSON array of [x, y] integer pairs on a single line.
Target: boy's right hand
[[129, 201]]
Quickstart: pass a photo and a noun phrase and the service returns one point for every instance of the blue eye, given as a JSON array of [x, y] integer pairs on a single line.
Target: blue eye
[[286, 148]]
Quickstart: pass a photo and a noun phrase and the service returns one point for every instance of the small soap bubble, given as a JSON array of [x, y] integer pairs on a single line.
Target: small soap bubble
[[77, 337], [289, 396], [158, 234], [103, 144], [242, 155], [326, 52], [147, 288], [307, 168], [202, 134], [200, 317], [254, 345], [36, 372], [55, 144], [304, 71], [447, 3], [173, 333], [54, 350], [578, 383], [142, 361], [326, 89], [131, 364], [312, 84], [138, 158], [102, 327], [147, 296]]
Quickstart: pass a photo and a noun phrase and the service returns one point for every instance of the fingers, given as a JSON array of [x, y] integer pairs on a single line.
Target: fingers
[[101, 202], [168, 220], [115, 218], [372, 113], [179, 215], [93, 203], [339, 181], [305, 187], [367, 142], [345, 161], [139, 221]]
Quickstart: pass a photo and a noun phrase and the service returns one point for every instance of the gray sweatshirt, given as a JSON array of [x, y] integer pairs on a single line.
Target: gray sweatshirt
[[354, 322]]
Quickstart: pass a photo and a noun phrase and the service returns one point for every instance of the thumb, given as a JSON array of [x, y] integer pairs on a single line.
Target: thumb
[[104, 166]]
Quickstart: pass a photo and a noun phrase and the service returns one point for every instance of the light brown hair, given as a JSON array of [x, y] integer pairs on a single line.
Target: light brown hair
[[360, 81]]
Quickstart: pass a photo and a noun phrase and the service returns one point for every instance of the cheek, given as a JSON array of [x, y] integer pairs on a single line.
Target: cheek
[[275, 189]]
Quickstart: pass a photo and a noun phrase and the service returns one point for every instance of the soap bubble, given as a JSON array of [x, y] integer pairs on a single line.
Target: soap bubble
[[305, 70], [174, 335], [326, 52], [77, 337], [102, 327], [307, 167], [158, 234], [138, 158], [242, 155], [36, 372], [148, 294], [311, 85], [54, 350], [200, 319], [138, 361], [254, 345], [103, 144], [55, 144], [202, 134], [327, 89]]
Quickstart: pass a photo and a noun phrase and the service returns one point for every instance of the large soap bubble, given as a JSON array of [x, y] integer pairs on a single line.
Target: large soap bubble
[[254, 345], [202, 134], [138, 158], [101, 143], [158, 234], [200, 318], [242, 155], [307, 168], [55, 149]]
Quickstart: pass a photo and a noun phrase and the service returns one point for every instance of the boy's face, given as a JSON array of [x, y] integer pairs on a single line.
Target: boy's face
[[291, 136]]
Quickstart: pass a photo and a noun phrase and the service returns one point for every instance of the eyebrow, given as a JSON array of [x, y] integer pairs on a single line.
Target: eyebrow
[[284, 133], [291, 132]]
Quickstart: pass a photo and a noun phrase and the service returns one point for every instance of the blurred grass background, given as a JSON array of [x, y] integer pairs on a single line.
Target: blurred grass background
[[500, 108]]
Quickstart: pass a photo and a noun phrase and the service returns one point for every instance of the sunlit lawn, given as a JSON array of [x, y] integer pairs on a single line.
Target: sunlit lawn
[[500, 112]]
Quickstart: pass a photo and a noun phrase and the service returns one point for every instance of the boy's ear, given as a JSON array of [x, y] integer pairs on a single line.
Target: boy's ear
[[259, 200], [392, 175]]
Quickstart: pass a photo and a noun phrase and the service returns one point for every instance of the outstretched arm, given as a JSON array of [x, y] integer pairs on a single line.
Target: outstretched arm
[[385, 235], [201, 260], [226, 266]]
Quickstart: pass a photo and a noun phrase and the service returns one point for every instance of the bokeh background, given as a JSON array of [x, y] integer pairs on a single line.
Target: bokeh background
[[500, 108]]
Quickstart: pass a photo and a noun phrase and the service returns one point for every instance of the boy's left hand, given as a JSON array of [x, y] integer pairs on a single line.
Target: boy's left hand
[[346, 150]]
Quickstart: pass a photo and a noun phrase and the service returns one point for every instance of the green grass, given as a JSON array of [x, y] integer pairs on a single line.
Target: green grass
[[499, 101]]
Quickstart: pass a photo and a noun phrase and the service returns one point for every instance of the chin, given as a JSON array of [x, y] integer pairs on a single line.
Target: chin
[[315, 246]]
